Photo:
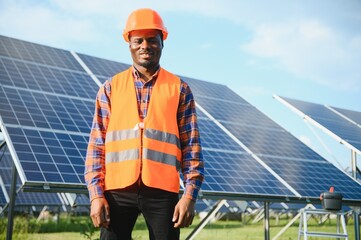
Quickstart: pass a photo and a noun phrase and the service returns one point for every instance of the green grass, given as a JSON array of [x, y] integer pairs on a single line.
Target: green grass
[[70, 227]]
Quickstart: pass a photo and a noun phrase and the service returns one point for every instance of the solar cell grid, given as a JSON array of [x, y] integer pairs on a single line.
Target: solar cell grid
[[213, 137], [237, 113], [23, 198], [103, 67], [276, 142], [213, 91], [48, 79], [45, 162], [353, 115], [32, 52], [311, 178], [239, 173], [35, 109], [82, 200]]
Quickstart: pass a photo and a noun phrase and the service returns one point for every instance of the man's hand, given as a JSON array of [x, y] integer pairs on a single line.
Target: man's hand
[[183, 213], [99, 212]]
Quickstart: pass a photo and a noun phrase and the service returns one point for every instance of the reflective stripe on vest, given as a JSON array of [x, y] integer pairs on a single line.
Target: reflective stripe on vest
[[150, 149], [162, 137]]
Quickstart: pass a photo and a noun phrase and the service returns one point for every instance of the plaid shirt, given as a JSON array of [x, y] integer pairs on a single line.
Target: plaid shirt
[[192, 162]]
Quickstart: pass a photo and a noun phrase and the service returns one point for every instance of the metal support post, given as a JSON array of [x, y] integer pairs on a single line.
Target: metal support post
[[9, 231], [354, 164], [356, 217], [266, 221]]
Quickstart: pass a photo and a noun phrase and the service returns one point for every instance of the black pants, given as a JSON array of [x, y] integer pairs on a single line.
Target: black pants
[[157, 207]]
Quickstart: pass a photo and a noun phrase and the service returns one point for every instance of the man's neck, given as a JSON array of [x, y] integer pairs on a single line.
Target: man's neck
[[146, 73]]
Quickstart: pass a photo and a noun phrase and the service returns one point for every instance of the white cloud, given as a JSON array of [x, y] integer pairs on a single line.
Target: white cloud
[[312, 50], [42, 24]]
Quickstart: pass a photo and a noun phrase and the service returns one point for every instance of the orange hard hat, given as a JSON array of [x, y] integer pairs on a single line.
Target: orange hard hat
[[144, 18]]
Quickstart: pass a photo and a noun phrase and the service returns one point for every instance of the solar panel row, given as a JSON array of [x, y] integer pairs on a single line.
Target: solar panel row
[[46, 110]]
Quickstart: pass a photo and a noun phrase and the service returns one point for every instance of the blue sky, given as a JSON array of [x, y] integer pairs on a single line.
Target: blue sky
[[307, 50]]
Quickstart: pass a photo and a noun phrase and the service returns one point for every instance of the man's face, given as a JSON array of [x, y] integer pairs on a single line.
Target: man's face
[[146, 47]]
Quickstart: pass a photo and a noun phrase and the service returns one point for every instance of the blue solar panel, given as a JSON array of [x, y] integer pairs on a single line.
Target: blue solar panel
[[239, 173], [213, 91], [353, 115], [344, 129], [22, 198], [102, 67], [204, 205], [213, 137], [26, 51], [47, 107], [82, 200], [44, 110], [311, 178], [275, 147], [50, 156], [257, 131], [225, 111], [272, 142], [43, 78]]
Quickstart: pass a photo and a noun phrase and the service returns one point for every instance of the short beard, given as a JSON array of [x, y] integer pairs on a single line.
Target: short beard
[[149, 64]]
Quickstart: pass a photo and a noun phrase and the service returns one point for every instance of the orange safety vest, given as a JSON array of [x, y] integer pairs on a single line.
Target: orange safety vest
[[149, 148]]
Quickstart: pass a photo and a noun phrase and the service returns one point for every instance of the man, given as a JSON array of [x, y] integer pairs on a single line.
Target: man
[[144, 131]]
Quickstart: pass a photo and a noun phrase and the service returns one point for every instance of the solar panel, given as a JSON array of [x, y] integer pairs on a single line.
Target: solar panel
[[290, 159], [42, 110], [36, 53], [342, 128], [239, 173], [22, 198], [353, 116], [46, 109], [45, 78], [103, 67], [49, 157], [205, 205], [310, 177]]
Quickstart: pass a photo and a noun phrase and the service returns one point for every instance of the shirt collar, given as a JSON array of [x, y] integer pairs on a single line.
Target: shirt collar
[[136, 75]]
